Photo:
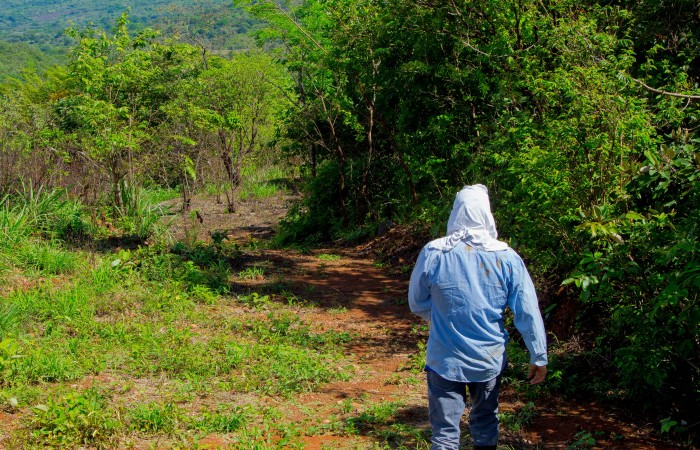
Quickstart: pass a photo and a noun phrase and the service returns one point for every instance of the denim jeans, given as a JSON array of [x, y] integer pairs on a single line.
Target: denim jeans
[[446, 404]]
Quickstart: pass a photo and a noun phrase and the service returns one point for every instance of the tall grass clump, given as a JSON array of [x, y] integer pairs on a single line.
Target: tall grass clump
[[141, 212], [46, 257], [15, 224], [262, 182], [40, 213]]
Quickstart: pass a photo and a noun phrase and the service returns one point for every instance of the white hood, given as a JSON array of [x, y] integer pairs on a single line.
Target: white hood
[[471, 222]]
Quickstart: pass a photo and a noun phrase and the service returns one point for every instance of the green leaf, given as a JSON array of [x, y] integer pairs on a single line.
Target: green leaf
[[41, 407]]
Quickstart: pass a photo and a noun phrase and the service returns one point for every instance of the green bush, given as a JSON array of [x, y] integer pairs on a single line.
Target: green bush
[[644, 276]]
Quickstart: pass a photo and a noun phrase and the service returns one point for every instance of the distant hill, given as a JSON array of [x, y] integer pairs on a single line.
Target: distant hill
[[15, 56], [32, 32], [43, 21]]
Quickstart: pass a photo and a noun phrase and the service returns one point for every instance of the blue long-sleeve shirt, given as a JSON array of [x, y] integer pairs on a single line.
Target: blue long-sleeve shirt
[[463, 293]]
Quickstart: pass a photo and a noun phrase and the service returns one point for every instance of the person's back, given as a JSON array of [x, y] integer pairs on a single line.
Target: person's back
[[462, 284]]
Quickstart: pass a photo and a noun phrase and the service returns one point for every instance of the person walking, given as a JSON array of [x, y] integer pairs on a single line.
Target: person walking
[[462, 284]]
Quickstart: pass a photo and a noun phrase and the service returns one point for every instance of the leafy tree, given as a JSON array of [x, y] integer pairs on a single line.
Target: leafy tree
[[238, 101], [113, 95], [27, 153]]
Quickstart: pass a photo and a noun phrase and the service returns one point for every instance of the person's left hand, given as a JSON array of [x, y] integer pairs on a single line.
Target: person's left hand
[[537, 374]]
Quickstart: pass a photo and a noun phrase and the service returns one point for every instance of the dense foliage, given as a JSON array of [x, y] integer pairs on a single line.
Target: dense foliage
[[581, 119]]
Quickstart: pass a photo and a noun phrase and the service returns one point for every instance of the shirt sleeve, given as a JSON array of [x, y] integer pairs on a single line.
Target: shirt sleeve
[[522, 300], [419, 287]]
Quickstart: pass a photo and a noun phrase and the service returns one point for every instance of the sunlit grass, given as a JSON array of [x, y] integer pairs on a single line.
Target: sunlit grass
[[134, 315], [328, 257], [155, 195], [99, 347]]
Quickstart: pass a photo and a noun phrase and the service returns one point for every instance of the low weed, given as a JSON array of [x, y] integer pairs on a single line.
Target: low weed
[[396, 379], [285, 370], [296, 301], [252, 273], [286, 327], [380, 420], [220, 422], [583, 440], [379, 413], [154, 417], [255, 300], [197, 268], [44, 364], [203, 294], [255, 438], [339, 309], [416, 361], [520, 419], [78, 419], [404, 436]]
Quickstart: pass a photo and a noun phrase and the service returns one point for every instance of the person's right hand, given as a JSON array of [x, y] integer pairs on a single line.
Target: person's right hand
[[537, 374]]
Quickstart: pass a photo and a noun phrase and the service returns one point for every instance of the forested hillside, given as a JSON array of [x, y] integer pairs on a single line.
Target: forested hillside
[[582, 118], [43, 21], [18, 56], [37, 27]]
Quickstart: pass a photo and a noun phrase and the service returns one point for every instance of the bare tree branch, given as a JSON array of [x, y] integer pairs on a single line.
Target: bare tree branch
[[296, 24], [672, 94]]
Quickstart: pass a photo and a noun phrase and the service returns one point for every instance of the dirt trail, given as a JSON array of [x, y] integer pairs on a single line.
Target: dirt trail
[[352, 293]]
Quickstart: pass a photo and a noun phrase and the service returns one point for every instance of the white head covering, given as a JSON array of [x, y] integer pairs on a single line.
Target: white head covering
[[471, 222]]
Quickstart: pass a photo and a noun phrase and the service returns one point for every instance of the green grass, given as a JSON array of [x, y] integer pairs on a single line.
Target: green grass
[[252, 273], [154, 417], [47, 258], [96, 348], [261, 182], [258, 183], [328, 257], [257, 191], [155, 195]]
